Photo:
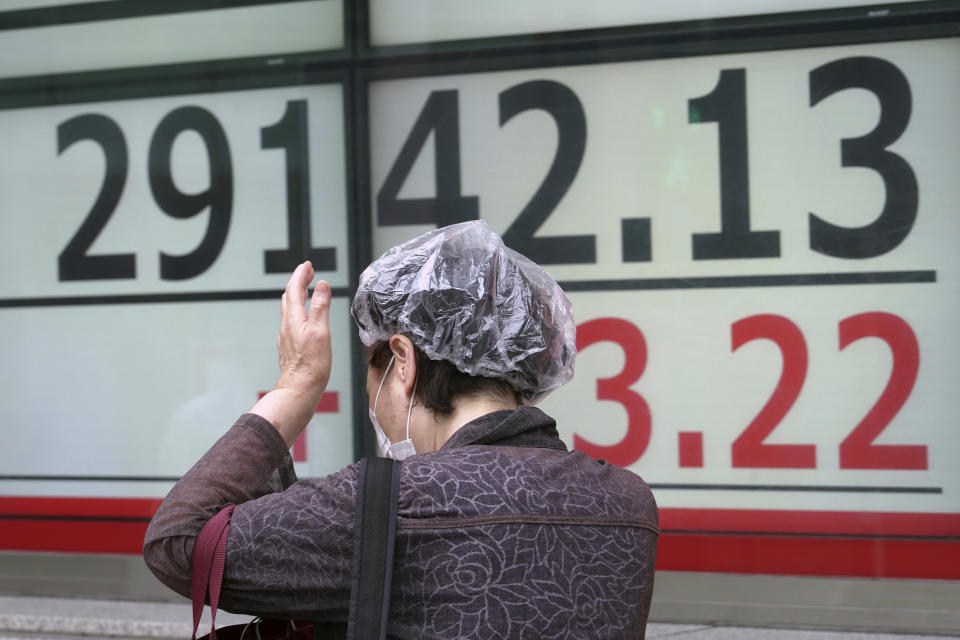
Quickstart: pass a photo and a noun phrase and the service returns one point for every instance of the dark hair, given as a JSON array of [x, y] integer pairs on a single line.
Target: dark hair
[[439, 382]]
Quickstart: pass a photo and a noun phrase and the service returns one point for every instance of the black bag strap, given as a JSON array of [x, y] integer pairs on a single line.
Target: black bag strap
[[375, 535]]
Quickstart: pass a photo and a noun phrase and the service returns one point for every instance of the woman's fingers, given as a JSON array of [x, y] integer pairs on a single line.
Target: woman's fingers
[[295, 294], [320, 303]]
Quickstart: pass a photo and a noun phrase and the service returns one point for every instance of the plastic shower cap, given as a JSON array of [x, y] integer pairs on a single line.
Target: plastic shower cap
[[463, 296]]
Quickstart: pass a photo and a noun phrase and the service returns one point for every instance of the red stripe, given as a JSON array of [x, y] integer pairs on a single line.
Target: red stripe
[[811, 522], [738, 551], [671, 519], [776, 555], [83, 536], [91, 507], [72, 536]]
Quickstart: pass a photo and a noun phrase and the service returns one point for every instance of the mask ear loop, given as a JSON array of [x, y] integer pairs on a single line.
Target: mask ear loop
[[410, 408], [382, 380]]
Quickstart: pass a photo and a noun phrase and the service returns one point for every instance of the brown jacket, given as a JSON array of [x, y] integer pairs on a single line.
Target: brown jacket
[[502, 533]]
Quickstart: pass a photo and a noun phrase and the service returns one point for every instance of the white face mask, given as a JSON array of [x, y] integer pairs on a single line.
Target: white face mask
[[404, 448]]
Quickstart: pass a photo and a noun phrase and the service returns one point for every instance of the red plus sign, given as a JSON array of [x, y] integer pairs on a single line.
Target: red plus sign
[[329, 403]]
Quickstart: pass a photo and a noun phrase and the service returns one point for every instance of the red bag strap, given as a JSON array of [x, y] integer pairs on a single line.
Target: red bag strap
[[209, 555]]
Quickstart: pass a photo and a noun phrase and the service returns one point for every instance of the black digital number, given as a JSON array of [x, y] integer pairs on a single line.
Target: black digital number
[[727, 106], [218, 197], [441, 116], [73, 262], [290, 133], [564, 107], [899, 213]]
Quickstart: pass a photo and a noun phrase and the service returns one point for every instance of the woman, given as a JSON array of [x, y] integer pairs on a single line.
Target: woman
[[502, 532]]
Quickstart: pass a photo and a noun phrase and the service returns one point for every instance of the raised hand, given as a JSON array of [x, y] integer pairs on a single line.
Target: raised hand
[[304, 352]]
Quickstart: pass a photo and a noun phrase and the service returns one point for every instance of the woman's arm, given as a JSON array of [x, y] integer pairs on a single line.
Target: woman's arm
[[290, 543], [249, 461], [252, 459]]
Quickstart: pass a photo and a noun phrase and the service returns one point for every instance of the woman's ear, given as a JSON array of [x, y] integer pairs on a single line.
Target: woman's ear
[[405, 361]]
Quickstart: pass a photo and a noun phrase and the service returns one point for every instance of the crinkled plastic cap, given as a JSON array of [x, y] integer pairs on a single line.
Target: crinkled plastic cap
[[463, 296]]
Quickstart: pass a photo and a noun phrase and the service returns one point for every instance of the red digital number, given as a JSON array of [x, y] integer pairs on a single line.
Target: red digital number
[[617, 388], [749, 449], [857, 451]]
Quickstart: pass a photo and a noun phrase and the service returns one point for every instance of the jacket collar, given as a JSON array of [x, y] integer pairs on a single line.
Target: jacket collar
[[522, 427]]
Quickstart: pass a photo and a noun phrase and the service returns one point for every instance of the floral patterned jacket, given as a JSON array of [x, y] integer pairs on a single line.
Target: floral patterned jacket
[[502, 533]]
